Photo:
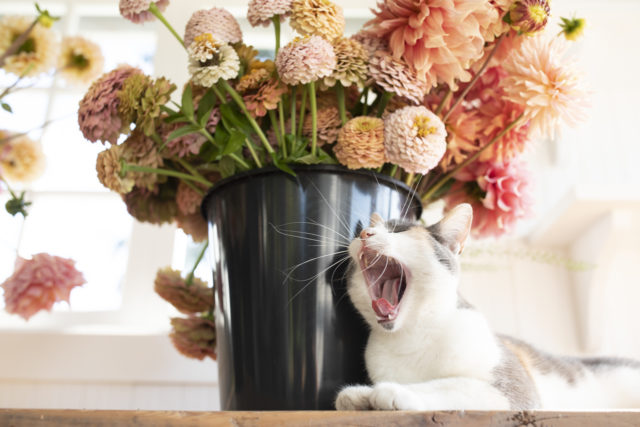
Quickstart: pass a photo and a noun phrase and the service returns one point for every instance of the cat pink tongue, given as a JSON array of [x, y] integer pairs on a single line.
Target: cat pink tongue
[[382, 307]]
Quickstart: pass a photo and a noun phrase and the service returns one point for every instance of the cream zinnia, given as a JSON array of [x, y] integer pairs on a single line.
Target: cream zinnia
[[210, 61]]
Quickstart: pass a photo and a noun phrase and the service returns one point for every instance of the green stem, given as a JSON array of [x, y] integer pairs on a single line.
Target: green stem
[[394, 169], [281, 117], [221, 97], [341, 103], [444, 100], [473, 81], [239, 160], [314, 118], [238, 99], [20, 77], [303, 108], [409, 179], [442, 181], [276, 26], [193, 187], [275, 127], [365, 101], [193, 270], [125, 167], [153, 8], [384, 100], [293, 109], [253, 153], [188, 167], [19, 41]]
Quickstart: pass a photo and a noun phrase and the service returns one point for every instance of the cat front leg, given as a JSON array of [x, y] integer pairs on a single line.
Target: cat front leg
[[354, 398]]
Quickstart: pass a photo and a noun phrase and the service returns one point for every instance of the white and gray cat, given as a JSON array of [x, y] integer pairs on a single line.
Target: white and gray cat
[[430, 350]]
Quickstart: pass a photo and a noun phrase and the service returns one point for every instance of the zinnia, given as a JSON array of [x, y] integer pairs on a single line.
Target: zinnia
[[317, 18], [547, 86], [37, 54], [210, 61], [261, 12], [414, 139], [22, 160], [38, 283], [396, 76], [305, 60], [109, 170], [439, 38], [351, 63], [80, 60], [361, 143], [98, 110], [498, 193], [157, 206], [137, 11], [194, 337], [215, 21], [188, 298]]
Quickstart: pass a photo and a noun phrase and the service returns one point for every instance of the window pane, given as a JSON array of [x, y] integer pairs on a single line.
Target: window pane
[[91, 229]]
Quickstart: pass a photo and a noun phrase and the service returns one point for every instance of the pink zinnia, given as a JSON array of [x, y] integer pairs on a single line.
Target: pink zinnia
[[194, 337], [439, 38], [137, 11], [182, 146], [98, 111], [305, 60], [215, 21], [260, 12], [498, 193], [38, 283]]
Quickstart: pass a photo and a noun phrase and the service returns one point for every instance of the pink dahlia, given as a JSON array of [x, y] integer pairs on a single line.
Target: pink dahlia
[[439, 38], [305, 60], [98, 116], [137, 11], [194, 337], [545, 83], [261, 12], [216, 21], [38, 283], [498, 193], [414, 139]]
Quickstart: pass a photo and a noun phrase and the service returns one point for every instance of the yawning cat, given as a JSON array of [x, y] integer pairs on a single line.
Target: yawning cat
[[431, 350]]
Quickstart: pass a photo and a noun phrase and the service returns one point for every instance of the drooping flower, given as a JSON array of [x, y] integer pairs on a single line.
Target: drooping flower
[[188, 199], [439, 38], [98, 110], [414, 139], [351, 63], [156, 94], [109, 168], [328, 124], [498, 193], [137, 11], [265, 98], [317, 18], [130, 95], [215, 21], [36, 55], [140, 150], [305, 60], [210, 61], [396, 76], [37, 283], [545, 83], [529, 16], [157, 206], [188, 298], [261, 12], [194, 225], [572, 28], [21, 160], [361, 143], [80, 60], [194, 337]]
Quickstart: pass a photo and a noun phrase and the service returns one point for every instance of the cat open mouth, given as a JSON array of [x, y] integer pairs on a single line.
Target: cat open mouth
[[386, 280]]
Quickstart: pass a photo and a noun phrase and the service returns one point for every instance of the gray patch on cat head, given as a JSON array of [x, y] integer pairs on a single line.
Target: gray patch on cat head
[[512, 379], [398, 226], [441, 250], [599, 364], [568, 368]]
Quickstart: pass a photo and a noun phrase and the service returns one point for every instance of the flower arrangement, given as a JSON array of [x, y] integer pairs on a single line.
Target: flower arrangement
[[444, 95], [29, 48]]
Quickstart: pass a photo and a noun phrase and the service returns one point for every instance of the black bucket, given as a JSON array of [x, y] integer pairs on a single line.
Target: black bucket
[[288, 337]]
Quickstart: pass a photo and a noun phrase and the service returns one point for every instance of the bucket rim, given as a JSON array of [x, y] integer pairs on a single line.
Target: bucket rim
[[322, 168]]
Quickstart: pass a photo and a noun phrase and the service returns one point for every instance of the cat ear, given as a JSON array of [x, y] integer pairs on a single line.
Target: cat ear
[[455, 227], [376, 219]]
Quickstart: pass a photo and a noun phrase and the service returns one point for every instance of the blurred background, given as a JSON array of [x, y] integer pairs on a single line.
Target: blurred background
[[568, 280]]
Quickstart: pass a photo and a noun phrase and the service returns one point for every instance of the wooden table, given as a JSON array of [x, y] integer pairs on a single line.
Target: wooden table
[[35, 417]]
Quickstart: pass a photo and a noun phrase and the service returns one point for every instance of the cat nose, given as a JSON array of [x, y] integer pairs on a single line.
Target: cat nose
[[366, 233]]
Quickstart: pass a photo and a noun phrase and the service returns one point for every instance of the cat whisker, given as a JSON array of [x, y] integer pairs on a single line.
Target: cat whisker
[[316, 276], [295, 267]]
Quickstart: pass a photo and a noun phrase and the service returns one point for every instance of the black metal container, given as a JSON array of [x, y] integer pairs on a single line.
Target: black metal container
[[287, 335]]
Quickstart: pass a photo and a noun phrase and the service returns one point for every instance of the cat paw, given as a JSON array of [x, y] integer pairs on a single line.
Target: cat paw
[[394, 397], [355, 398]]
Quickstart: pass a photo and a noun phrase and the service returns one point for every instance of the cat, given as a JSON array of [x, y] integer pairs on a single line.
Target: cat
[[431, 350]]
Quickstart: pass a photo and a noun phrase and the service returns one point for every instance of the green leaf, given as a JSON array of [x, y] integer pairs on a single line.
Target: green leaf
[[227, 166], [231, 120], [284, 167], [176, 118], [221, 136], [7, 107], [326, 158], [309, 159], [168, 110], [205, 107], [185, 130], [187, 102], [235, 143]]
